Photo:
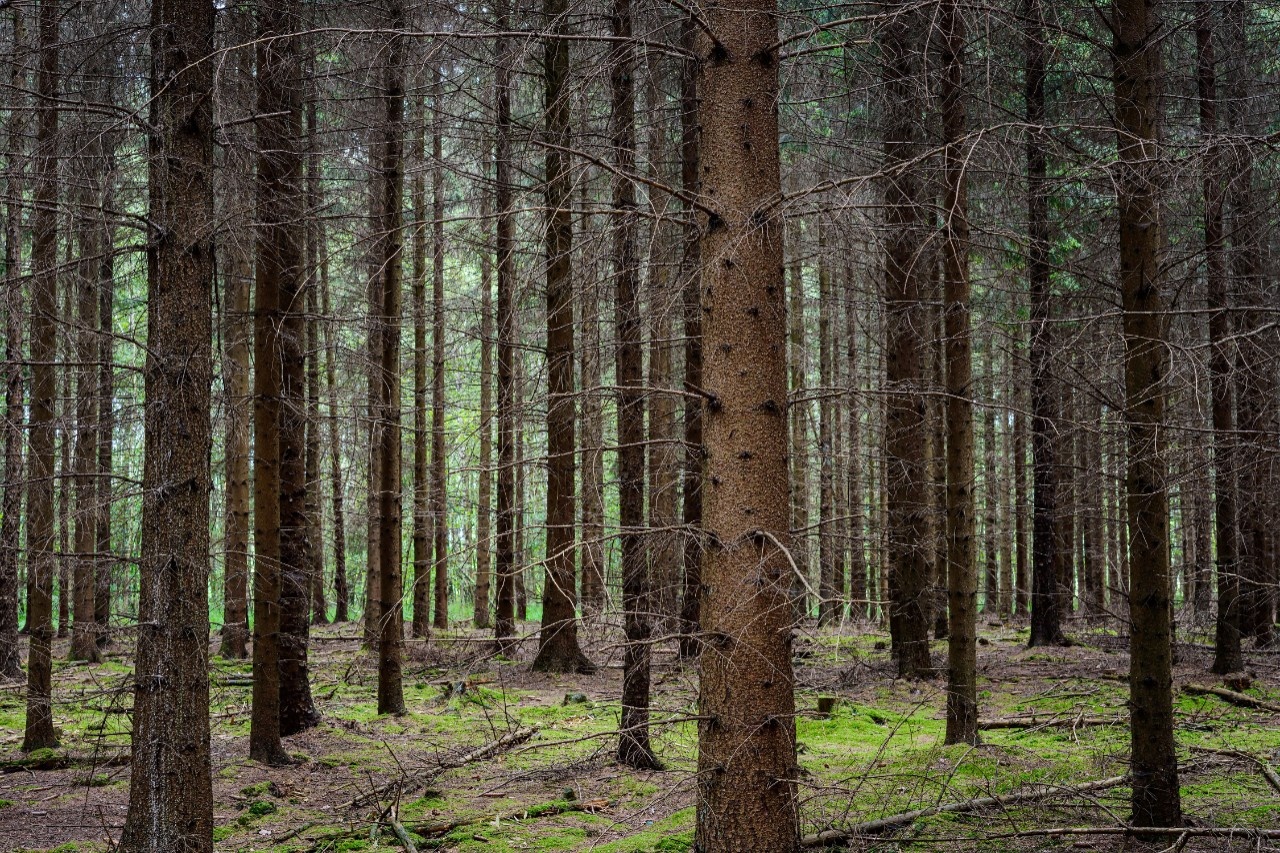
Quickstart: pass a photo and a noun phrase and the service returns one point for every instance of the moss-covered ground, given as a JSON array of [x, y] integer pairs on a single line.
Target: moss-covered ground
[[879, 753]]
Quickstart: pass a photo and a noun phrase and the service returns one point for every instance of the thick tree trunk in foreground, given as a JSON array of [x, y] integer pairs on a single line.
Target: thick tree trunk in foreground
[[558, 649], [907, 476], [170, 792], [1046, 627], [390, 246], [1136, 67], [746, 734], [962, 579], [44, 315]]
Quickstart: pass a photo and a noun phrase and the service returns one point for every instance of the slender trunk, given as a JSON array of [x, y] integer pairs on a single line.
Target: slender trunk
[[484, 510], [1021, 516], [390, 244], [746, 734], [11, 507], [558, 649], [504, 628], [962, 580], [908, 483], [422, 515], [633, 746], [341, 592], [829, 601], [44, 315], [1046, 626], [315, 516], [690, 275], [439, 459], [592, 475], [853, 469], [1137, 70], [1090, 470], [170, 794], [799, 410]]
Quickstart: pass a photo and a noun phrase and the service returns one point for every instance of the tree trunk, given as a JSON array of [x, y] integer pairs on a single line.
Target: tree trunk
[[853, 470], [14, 410], [237, 274], [690, 275], [798, 411], [170, 792], [390, 245], [1046, 624], [341, 592], [633, 736], [504, 628], [558, 649], [746, 734], [484, 509], [44, 316], [907, 478], [422, 515], [315, 516], [592, 475], [962, 578], [1021, 516], [829, 601], [279, 260], [439, 459], [1137, 69]]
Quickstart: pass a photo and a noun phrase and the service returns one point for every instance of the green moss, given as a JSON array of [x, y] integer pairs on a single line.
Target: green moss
[[222, 833], [673, 834], [5, 803], [260, 808], [257, 789]]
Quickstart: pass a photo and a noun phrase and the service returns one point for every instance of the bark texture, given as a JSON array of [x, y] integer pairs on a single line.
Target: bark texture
[[746, 734]]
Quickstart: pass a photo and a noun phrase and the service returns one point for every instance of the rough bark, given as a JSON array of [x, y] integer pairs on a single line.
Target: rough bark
[[746, 734], [853, 468], [439, 459], [798, 410], [341, 592], [315, 517], [962, 580], [170, 795], [390, 248], [558, 649], [14, 410], [504, 628], [279, 262], [592, 439], [421, 516], [484, 497], [907, 478], [44, 314], [1227, 657], [1153, 761], [829, 594], [1046, 625]]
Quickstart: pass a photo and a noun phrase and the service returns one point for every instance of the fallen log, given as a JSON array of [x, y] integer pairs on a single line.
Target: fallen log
[[1055, 721], [1242, 699], [1036, 794], [50, 760], [413, 783]]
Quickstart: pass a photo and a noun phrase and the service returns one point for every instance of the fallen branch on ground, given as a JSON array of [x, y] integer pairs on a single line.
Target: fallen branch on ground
[[42, 760], [410, 784], [1041, 722], [1242, 699], [1039, 792], [1273, 778]]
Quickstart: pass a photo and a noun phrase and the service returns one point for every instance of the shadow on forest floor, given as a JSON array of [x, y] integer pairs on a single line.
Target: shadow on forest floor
[[1062, 712]]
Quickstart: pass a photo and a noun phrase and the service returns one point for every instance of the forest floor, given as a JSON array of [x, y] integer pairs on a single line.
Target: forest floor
[[879, 753]]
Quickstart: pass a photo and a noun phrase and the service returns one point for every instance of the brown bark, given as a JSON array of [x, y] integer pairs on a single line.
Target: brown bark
[[170, 792], [746, 734], [961, 561], [829, 600], [341, 592], [315, 517], [279, 260], [439, 459], [1227, 656], [1021, 507], [14, 414], [592, 439], [558, 649], [44, 314], [422, 515], [1046, 625], [908, 484], [798, 411], [390, 248], [504, 628], [853, 468], [484, 509], [1089, 454], [1136, 79], [633, 735]]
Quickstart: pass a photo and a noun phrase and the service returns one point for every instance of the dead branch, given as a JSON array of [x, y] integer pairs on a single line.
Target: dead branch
[[1241, 699], [1047, 722], [1035, 794]]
